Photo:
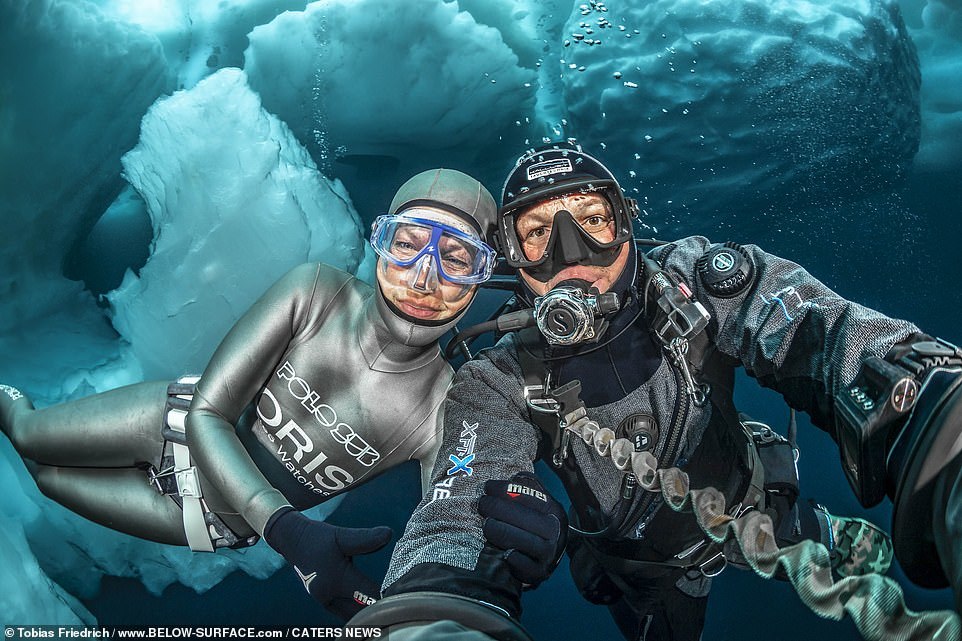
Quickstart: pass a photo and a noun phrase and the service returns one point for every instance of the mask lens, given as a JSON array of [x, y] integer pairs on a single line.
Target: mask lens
[[591, 211], [408, 241], [404, 239], [401, 242], [459, 259]]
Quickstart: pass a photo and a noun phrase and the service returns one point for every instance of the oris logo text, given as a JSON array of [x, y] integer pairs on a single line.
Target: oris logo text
[[297, 449]]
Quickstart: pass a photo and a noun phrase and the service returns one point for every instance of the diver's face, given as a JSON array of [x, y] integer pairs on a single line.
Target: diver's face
[[421, 290], [592, 213]]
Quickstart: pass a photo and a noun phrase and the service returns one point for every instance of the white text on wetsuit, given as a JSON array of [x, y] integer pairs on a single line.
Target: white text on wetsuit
[[332, 477]]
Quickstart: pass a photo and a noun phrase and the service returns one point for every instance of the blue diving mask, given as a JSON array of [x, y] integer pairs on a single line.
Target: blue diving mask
[[431, 249]]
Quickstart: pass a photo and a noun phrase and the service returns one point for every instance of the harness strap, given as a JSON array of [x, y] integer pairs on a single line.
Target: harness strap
[[188, 484], [553, 441], [717, 370], [704, 557], [755, 492], [534, 371]]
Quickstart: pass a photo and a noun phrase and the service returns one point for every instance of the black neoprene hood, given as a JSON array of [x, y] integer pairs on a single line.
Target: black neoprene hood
[[552, 170]]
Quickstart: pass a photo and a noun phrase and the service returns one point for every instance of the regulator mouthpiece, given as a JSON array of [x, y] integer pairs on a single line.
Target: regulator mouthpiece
[[573, 312]]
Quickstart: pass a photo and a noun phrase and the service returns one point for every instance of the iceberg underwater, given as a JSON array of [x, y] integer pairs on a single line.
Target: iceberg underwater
[[161, 163]]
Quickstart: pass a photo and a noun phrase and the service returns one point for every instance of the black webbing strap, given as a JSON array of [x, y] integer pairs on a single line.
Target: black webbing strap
[[534, 372]]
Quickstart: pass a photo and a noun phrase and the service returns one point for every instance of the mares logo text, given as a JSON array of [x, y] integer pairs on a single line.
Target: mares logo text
[[516, 489]]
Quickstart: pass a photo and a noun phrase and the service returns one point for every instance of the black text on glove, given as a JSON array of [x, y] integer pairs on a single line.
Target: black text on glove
[[527, 522], [321, 555]]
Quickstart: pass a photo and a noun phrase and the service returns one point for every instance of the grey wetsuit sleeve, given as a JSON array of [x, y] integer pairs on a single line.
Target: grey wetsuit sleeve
[[486, 435], [232, 379], [791, 331]]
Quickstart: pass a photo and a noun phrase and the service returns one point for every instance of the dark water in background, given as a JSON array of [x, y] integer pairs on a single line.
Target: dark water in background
[[898, 253]]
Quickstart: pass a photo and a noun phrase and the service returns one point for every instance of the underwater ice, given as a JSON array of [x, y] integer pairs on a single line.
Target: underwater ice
[[204, 123], [234, 201], [376, 78], [247, 204]]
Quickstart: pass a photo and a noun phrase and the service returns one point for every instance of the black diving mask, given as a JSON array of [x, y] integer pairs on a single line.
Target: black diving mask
[[571, 243]]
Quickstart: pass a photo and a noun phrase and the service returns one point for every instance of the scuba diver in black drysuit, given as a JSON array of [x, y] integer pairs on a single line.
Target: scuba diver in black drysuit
[[643, 347], [322, 385]]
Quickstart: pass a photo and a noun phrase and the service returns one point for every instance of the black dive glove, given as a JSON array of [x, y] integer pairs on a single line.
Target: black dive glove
[[522, 519], [321, 555]]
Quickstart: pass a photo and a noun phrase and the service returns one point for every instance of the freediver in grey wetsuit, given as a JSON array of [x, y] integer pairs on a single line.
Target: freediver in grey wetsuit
[[328, 381]]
